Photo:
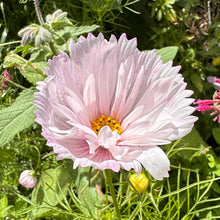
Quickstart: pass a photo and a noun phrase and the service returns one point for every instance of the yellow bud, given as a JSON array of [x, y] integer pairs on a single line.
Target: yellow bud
[[216, 61], [140, 182]]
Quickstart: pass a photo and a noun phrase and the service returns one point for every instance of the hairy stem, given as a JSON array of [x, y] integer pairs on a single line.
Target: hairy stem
[[39, 15]]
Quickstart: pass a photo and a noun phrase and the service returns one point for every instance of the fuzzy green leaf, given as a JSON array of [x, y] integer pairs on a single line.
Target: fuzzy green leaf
[[73, 32], [167, 53], [17, 117], [33, 72]]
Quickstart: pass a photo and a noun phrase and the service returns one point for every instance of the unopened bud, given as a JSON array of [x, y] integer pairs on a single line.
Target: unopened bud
[[58, 15], [28, 179], [216, 61], [4, 82], [58, 19], [140, 182], [171, 16], [35, 33]]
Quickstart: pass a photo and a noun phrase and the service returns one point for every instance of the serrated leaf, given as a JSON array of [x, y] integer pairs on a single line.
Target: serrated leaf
[[29, 70], [74, 32], [167, 53], [17, 117]]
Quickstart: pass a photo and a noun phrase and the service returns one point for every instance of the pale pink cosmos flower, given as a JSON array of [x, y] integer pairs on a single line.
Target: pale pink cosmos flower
[[110, 106], [27, 179]]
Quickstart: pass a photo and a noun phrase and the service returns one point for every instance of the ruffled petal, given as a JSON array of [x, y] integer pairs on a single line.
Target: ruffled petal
[[155, 162]]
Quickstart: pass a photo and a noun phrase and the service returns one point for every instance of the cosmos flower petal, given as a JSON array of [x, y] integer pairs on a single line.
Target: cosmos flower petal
[[89, 97], [107, 138], [155, 162]]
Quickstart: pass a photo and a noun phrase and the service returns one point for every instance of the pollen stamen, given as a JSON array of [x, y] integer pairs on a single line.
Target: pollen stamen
[[100, 122]]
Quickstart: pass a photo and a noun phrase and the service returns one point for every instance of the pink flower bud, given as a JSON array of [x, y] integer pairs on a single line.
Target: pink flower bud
[[28, 179], [4, 82]]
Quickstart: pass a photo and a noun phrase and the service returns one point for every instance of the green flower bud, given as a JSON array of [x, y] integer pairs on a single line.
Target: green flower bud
[[35, 33], [58, 19], [58, 15], [216, 61]]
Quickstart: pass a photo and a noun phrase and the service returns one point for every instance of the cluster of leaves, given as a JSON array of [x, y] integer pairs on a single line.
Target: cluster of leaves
[[191, 192]]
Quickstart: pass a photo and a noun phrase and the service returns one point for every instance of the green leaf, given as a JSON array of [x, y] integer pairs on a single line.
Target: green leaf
[[52, 189], [3, 206], [191, 145], [17, 117], [31, 71], [167, 53], [216, 134], [87, 193], [74, 32], [197, 81]]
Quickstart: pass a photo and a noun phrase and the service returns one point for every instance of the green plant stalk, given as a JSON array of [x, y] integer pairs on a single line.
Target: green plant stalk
[[112, 191], [178, 194], [38, 159], [53, 49], [15, 84], [154, 203], [39, 15], [190, 186], [8, 43]]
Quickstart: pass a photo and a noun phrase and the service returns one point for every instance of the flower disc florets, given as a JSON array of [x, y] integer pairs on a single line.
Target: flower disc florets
[[109, 106], [102, 121]]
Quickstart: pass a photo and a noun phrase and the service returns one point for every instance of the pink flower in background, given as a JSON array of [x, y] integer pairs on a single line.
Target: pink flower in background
[[4, 83], [110, 106], [215, 81], [211, 105], [28, 179]]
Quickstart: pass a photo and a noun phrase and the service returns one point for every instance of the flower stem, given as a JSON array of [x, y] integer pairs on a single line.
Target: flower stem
[[53, 49], [39, 158], [39, 15], [15, 84], [112, 191]]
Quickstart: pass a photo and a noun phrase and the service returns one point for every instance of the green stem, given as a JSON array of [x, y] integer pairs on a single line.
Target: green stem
[[8, 43], [39, 159], [15, 84], [52, 48], [112, 191]]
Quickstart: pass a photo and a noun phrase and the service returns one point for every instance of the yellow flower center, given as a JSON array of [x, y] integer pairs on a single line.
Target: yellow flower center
[[100, 122]]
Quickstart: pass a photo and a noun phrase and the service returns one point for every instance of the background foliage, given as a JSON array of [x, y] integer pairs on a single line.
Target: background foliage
[[191, 192]]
